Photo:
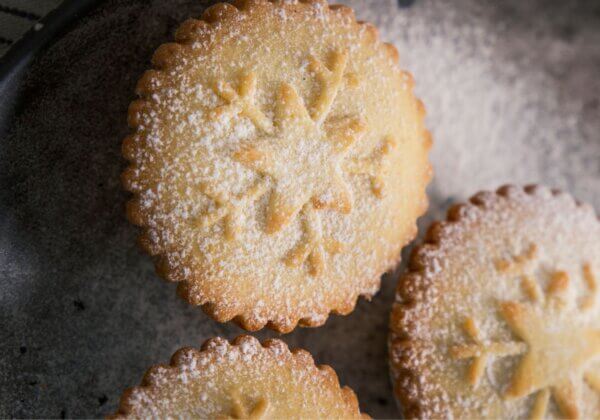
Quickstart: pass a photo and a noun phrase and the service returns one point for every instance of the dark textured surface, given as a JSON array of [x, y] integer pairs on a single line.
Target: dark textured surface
[[513, 96]]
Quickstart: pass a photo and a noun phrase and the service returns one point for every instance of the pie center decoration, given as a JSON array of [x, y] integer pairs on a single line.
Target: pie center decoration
[[555, 356], [303, 159], [300, 156]]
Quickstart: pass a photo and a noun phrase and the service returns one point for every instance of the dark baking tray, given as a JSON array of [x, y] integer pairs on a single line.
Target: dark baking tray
[[14, 63]]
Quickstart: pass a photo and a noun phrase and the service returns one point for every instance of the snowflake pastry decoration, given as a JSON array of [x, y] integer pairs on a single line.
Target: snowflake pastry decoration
[[556, 356], [299, 155]]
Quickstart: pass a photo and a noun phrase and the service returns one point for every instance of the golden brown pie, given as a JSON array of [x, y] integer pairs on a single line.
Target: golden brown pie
[[240, 380], [278, 161], [499, 315]]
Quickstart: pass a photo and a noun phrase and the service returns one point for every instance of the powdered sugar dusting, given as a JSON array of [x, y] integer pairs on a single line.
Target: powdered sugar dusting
[[253, 165], [240, 375], [63, 208], [527, 252]]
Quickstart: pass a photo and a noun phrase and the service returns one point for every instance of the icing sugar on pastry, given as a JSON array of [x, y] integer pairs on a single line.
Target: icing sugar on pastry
[[242, 380], [278, 163], [509, 328]]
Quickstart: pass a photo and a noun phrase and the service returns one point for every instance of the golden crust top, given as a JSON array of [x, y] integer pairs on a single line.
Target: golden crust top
[[245, 379], [499, 315], [278, 163]]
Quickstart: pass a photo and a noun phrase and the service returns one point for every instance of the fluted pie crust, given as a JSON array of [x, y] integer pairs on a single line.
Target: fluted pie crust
[[499, 315], [278, 161], [243, 379]]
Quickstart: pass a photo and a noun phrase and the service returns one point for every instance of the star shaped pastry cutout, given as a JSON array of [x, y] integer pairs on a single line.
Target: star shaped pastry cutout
[[556, 357], [304, 159], [301, 152]]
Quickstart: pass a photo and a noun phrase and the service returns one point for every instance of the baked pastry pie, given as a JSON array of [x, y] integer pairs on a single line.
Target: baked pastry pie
[[278, 161], [499, 315], [240, 380]]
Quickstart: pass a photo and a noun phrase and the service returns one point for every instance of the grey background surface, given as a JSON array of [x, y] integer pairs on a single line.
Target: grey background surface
[[513, 95]]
